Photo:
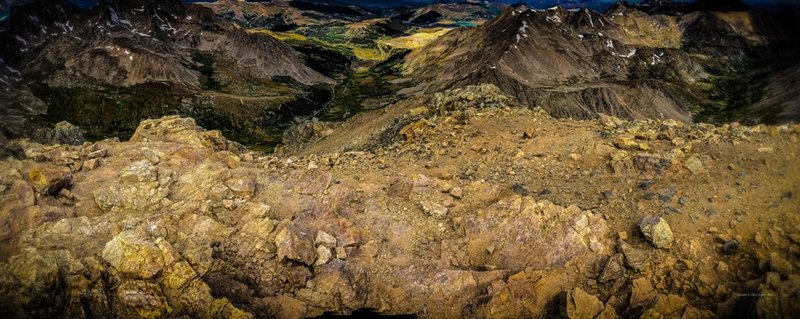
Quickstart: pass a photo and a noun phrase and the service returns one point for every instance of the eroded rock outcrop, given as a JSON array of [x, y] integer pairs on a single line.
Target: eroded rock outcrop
[[181, 222]]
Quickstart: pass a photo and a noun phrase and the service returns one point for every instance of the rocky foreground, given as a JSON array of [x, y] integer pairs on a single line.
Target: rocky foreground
[[473, 210]]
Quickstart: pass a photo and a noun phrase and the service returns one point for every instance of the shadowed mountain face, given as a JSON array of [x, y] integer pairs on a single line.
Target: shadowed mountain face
[[577, 63], [128, 60]]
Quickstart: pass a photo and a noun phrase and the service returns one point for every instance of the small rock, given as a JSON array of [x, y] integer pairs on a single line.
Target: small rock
[[582, 305], [98, 154], [134, 255], [628, 142], [645, 184], [520, 189], [780, 265], [634, 258], [607, 194], [614, 269], [243, 187], [652, 163], [294, 244], [694, 164], [91, 164], [434, 209], [325, 239], [758, 238], [49, 180], [656, 230], [456, 192], [642, 293], [623, 235], [730, 247], [722, 267], [341, 253], [323, 255]]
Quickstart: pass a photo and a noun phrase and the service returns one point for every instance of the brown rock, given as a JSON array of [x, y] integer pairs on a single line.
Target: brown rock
[[656, 230], [325, 239], [614, 269], [48, 179], [456, 192], [634, 258], [642, 293], [140, 299], [434, 209], [651, 163], [582, 305], [91, 164], [667, 306], [296, 245], [134, 255], [323, 255], [242, 186]]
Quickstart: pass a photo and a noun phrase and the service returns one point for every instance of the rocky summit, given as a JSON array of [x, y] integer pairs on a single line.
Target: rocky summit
[[404, 158], [478, 209]]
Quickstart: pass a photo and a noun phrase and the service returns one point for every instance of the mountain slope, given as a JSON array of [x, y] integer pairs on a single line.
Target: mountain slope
[[548, 58], [148, 58], [577, 63]]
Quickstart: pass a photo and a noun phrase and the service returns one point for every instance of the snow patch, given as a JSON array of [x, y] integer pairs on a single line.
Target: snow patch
[[115, 18], [13, 70], [630, 54], [21, 40]]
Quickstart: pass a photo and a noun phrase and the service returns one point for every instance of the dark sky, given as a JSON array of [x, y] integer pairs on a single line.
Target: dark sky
[[594, 4]]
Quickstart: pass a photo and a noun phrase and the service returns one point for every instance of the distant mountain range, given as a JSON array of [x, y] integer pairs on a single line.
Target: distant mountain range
[[252, 69]]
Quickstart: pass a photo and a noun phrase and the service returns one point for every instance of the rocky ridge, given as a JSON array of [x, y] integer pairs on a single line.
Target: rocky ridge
[[479, 209], [705, 65]]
